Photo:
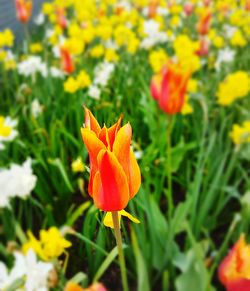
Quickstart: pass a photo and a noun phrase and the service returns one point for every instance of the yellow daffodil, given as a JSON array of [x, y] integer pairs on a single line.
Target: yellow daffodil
[[229, 90], [108, 221], [241, 134]]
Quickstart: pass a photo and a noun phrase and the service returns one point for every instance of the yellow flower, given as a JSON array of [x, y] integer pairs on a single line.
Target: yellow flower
[[74, 45], [3, 55], [192, 86], [187, 108], [218, 41], [157, 59], [104, 31], [47, 8], [83, 80], [238, 39], [241, 134], [5, 130], [36, 47], [97, 51], [175, 21], [108, 221], [185, 50], [10, 64], [111, 56], [71, 85], [133, 45], [229, 90], [51, 244], [77, 165], [6, 38], [33, 244]]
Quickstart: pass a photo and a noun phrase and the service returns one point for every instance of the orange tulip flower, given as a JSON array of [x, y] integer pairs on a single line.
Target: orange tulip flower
[[61, 18], [114, 173], [67, 63], [23, 10], [234, 271], [204, 22], [169, 88], [71, 286]]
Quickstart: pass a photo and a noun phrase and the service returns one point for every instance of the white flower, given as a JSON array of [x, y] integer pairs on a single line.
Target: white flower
[[151, 27], [224, 56], [31, 66], [94, 92], [18, 181], [36, 108], [18, 271], [56, 73], [39, 19], [7, 131], [154, 36], [102, 73], [34, 272], [111, 44], [56, 51], [138, 154], [49, 32], [229, 30]]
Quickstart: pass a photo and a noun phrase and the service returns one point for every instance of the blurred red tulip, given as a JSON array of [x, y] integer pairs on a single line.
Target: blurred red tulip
[[115, 176], [61, 19], [247, 5], [234, 270], [204, 22], [169, 88], [203, 48], [23, 10], [71, 286], [206, 2], [188, 8], [67, 63]]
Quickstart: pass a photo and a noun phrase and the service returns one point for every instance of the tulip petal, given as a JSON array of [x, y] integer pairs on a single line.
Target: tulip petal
[[125, 156], [104, 137], [113, 130], [134, 175], [94, 145], [155, 86], [91, 122], [110, 185], [121, 146]]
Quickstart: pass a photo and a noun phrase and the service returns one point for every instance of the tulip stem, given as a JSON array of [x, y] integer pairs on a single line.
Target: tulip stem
[[118, 238], [169, 166]]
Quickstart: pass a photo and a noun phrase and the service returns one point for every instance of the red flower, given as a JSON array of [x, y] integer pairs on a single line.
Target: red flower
[[188, 8], [114, 173], [204, 22], [234, 270], [61, 19], [169, 88], [66, 61], [23, 10]]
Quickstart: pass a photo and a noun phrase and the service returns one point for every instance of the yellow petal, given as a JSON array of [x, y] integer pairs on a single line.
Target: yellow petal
[[108, 221], [129, 216]]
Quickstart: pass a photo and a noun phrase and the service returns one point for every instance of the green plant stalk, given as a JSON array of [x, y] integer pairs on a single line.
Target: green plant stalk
[[169, 170], [118, 238]]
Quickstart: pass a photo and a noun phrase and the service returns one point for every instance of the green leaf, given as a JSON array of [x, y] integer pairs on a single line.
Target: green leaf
[[78, 212], [80, 278], [58, 163], [142, 273], [106, 263]]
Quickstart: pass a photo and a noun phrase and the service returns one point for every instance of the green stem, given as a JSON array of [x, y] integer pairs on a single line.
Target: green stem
[[169, 167], [118, 238]]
